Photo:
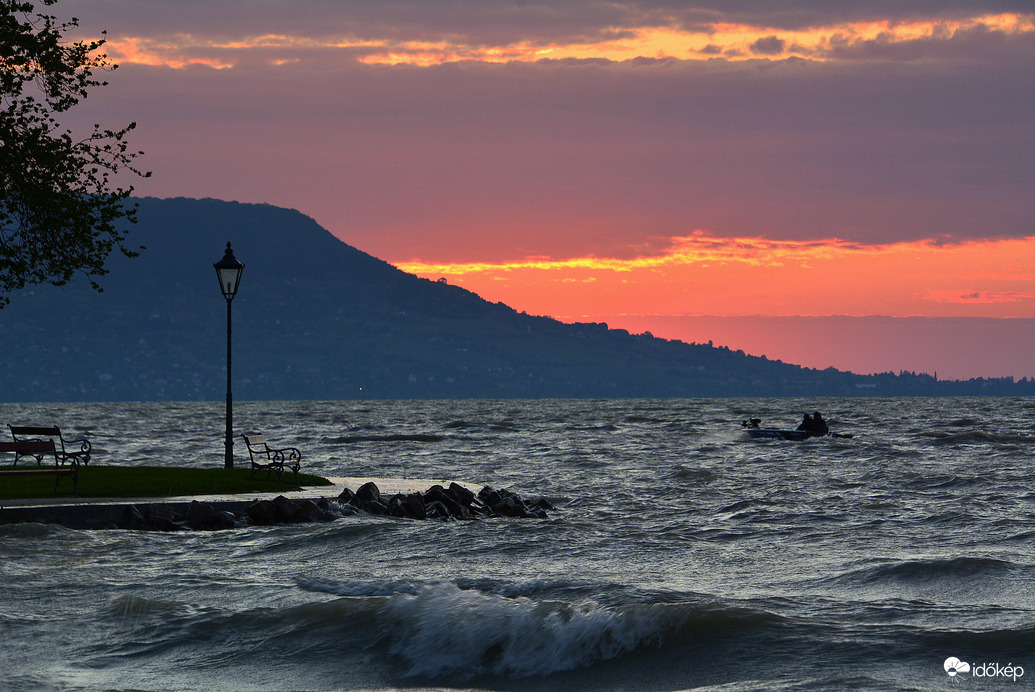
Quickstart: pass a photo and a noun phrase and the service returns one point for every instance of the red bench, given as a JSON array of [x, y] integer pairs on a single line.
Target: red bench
[[38, 449]]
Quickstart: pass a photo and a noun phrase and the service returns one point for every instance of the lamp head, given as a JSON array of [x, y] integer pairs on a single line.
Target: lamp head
[[229, 271]]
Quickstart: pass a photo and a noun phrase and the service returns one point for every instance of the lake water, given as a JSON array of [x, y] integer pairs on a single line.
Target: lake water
[[680, 555]]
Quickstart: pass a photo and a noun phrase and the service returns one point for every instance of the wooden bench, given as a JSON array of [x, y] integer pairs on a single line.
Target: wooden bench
[[34, 433], [39, 449], [265, 457]]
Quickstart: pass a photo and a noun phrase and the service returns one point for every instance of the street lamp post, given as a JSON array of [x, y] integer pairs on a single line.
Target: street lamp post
[[229, 271]]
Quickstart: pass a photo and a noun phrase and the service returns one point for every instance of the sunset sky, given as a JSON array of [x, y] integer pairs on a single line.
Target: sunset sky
[[845, 184]]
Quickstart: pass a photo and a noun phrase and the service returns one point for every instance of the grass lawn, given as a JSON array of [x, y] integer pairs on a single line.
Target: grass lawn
[[149, 482]]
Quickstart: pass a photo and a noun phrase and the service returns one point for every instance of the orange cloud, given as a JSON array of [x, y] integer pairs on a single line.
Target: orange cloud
[[143, 51], [184, 50], [729, 41], [707, 275]]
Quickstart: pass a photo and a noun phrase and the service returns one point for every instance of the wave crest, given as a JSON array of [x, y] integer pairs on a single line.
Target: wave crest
[[446, 630]]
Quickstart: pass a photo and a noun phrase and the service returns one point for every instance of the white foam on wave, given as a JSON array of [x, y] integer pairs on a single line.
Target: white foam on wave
[[443, 630]]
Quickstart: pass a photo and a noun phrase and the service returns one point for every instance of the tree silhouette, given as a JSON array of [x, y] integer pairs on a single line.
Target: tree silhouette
[[60, 212]]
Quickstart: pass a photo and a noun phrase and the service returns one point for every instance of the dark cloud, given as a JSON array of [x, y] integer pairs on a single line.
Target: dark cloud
[[978, 44], [770, 45], [495, 22], [803, 14]]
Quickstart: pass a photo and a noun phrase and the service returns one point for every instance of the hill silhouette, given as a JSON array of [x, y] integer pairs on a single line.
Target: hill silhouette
[[318, 319]]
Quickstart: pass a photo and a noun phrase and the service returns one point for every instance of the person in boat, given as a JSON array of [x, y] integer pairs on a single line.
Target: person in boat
[[819, 426], [814, 425], [806, 424], [751, 423]]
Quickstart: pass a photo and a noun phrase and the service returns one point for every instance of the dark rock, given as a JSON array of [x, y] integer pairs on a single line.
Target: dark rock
[[368, 493], [376, 508], [461, 494], [261, 513], [435, 493], [284, 508], [437, 510], [395, 508], [306, 511], [198, 515], [347, 496], [544, 504], [414, 506], [510, 506], [490, 497], [408, 506], [535, 511], [222, 520], [453, 508], [161, 518]]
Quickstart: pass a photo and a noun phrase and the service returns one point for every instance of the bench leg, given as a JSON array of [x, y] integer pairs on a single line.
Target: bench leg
[[37, 457], [75, 482]]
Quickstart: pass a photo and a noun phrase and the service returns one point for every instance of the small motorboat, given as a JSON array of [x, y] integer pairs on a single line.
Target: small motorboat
[[753, 428], [775, 434]]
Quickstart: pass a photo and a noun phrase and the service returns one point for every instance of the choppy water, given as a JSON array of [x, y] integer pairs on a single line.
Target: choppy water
[[681, 555]]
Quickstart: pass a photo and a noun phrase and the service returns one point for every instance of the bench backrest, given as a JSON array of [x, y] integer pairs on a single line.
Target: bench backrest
[[34, 430], [27, 446], [30, 448], [254, 440], [256, 445]]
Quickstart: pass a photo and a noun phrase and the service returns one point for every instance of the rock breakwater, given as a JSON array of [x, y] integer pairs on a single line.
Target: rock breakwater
[[454, 502]]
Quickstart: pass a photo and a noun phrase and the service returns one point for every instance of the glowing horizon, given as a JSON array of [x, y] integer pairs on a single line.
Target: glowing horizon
[[702, 274]]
